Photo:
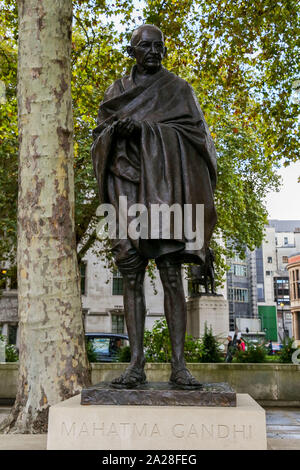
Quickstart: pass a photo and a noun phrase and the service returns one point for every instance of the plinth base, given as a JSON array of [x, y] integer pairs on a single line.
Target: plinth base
[[160, 394], [112, 427]]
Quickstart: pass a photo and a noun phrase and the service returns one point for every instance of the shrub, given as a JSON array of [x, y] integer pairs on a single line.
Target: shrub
[[255, 353], [286, 352], [90, 351], [211, 347], [124, 354], [157, 345], [11, 352]]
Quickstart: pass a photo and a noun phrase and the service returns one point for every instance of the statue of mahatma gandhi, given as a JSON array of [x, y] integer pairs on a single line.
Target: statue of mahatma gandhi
[[153, 146]]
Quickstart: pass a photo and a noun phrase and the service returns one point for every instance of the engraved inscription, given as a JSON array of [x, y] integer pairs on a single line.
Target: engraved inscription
[[218, 431], [114, 430]]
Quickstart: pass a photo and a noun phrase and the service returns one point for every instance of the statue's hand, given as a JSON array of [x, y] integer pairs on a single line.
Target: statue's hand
[[126, 127]]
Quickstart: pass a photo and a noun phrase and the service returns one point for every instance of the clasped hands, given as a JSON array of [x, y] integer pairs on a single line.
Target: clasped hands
[[126, 127]]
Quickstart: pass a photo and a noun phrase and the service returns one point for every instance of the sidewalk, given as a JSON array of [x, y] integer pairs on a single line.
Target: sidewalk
[[283, 432]]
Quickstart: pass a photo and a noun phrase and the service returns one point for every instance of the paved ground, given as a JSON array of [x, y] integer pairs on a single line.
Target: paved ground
[[283, 428], [283, 432]]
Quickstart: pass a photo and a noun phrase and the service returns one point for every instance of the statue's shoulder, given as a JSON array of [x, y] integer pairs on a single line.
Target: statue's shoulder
[[180, 82], [113, 90]]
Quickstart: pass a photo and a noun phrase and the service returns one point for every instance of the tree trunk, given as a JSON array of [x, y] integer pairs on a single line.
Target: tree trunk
[[53, 362]]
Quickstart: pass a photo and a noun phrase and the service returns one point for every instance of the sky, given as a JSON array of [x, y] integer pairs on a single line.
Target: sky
[[285, 204]]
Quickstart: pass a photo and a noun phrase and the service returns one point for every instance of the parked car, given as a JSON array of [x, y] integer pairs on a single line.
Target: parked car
[[107, 345]]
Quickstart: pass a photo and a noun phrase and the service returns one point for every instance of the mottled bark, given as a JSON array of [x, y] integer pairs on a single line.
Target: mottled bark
[[53, 363]]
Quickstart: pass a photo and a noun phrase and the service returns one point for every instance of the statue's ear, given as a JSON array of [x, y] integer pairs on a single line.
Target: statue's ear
[[130, 52], [165, 52]]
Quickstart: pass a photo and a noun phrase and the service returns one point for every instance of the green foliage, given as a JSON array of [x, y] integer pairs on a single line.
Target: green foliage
[[90, 350], [241, 59], [286, 352], [254, 353], [275, 358], [193, 349], [8, 130], [157, 345], [124, 354], [211, 347], [11, 353]]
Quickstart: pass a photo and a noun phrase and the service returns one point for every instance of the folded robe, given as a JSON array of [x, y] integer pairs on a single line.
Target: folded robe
[[173, 161]]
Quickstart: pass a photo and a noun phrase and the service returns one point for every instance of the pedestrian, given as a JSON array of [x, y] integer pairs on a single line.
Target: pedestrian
[[243, 345], [228, 357], [270, 348]]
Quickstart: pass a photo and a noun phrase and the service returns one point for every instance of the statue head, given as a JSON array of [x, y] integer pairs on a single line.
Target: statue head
[[147, 48]]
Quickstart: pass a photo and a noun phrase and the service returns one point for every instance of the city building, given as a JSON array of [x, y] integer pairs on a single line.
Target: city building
[[241, 291], [257, 289], [294, 277], [258, 285], [102, 296], [282, 238]]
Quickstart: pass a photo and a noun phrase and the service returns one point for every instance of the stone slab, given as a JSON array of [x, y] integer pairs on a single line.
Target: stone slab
[[23, 441], [110, 427], [159, 394]]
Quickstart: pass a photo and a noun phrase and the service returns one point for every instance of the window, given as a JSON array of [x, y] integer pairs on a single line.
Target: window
[[268, 273], [239, 270], [281, 290], [285, 241], [285, 259], [83, 278], [117, 323], [117, 287], [260, 292], [238, 295], [269, 259], [12, 334]]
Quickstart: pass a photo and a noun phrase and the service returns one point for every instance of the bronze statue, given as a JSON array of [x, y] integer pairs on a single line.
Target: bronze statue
[[153, 146], [204, 275]]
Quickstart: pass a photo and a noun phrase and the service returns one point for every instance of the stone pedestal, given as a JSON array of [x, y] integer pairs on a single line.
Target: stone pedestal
[[160, 394], [73, 426], [210, 309]]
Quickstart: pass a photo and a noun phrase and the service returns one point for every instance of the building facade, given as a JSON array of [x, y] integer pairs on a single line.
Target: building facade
[[258, 285], [102, 296], [294, 278], [282, 238]]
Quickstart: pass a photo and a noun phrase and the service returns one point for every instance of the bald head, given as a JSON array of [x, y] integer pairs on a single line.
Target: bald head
[[137, 33], [147, 48]]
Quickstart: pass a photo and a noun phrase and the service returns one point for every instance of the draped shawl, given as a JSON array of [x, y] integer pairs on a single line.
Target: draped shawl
[[172, 161]]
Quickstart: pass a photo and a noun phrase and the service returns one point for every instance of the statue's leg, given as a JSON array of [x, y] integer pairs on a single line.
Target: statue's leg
[[212, 280], [132, 266], [206, 282], [135, 313], [176, 315]]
